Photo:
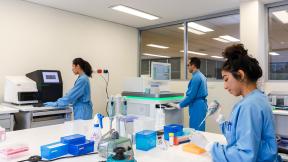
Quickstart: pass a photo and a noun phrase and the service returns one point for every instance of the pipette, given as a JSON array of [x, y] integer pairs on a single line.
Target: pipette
[[212, 108]]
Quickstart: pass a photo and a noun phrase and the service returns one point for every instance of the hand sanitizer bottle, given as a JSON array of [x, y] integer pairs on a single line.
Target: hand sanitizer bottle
[[96, 133]]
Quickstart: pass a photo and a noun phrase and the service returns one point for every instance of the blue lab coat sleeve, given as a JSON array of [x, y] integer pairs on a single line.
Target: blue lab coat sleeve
[[191, 92], [76, 92], [249, 133], [247, 138]]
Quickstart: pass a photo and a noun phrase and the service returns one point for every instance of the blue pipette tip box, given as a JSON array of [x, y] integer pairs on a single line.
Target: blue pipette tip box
[[73, 139], [54, 150], [145, 140], [81, 148], [177, 129]]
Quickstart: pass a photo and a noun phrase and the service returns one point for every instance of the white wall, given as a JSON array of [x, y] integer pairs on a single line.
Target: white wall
[[34, 37]]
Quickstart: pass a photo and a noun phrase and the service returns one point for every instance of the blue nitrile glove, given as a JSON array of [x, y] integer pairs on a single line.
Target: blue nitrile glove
[[50, 104]]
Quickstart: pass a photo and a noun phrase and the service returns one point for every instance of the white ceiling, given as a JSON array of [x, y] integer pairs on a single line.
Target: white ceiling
[[167, 10]]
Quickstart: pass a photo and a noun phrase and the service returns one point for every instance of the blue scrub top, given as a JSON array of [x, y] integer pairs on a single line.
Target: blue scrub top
[[196, 99], [249, 132], [80, 97]]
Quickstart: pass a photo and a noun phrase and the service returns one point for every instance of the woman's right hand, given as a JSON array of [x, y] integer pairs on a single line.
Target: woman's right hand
[[218, 116], [50, 104]]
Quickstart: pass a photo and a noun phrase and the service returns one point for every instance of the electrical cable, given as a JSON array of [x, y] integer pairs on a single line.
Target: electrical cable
[[107, 84], [39, 159], [106, 90], [67, 157]]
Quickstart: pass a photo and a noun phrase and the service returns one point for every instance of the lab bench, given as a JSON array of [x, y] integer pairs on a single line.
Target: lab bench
[[29, 116], [7, 117], [36, 137]]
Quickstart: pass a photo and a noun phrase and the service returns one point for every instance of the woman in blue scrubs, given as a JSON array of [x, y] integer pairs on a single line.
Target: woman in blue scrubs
[[79, 96], [249, 131]]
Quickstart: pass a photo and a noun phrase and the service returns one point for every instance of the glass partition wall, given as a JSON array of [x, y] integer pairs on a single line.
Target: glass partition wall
[[205, 38], [278, 43]]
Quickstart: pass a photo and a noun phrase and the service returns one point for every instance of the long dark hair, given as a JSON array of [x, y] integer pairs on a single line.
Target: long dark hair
[[238, 59], [84, 65]]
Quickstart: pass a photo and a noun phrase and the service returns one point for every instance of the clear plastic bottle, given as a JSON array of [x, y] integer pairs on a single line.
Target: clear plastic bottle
[[124, 106], [160, 119], [96, 132], [162, 143], [96, 136], [171, 139]]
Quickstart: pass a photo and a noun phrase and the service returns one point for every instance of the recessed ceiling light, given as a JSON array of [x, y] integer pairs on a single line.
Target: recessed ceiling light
[[199, 27], [282, 16], [153, 55], [274, 53], [134, 12], [195, 53], [229, 38], [157, 46], [193, 31], [219, 57], [221, 40]]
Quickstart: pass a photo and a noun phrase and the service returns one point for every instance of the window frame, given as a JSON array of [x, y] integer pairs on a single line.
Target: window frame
[[185, 43], [267, 63]]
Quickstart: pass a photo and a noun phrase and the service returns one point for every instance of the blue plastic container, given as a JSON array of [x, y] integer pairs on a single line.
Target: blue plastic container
[[177, 129], [73, 139], [81, 149], [54, 150], [145, 140]]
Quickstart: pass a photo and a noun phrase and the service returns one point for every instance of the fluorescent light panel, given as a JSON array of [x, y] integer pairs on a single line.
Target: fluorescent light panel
[[229, 38], [157, 46], [219, 57], [193, 31], [221, 40], [134, 12], [274, 54], [199, 27], [282, 16], [153, 55], [195, 53]]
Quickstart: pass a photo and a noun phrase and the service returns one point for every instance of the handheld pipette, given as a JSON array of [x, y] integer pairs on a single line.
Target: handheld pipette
[[212, 108]]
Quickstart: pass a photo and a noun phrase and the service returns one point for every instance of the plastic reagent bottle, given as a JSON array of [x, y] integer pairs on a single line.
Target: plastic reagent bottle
[[96, 133], [171, 139]]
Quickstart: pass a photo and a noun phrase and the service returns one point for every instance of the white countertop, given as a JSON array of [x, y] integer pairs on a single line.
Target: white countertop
[[28, 107], [7, 110], [35, 137], [280, 112]]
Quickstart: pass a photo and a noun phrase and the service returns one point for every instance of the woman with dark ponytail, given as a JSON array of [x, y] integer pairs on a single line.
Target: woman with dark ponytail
[[249, 130], [79, 96]]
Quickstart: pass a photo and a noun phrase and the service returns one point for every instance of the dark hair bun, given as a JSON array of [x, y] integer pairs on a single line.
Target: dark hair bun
[[234, 52], [238, 59]]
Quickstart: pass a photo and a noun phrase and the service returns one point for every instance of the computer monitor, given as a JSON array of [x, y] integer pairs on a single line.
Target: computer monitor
[[50, 77], [49, 84], [160, 71]]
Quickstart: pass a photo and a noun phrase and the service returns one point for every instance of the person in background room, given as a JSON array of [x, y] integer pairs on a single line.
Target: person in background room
[[79, 96], [195, 96]]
